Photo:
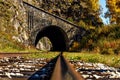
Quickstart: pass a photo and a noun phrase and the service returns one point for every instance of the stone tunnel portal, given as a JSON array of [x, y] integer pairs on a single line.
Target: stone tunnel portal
[[56, 35]]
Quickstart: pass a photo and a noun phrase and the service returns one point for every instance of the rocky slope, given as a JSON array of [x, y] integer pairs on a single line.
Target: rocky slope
[[12, 23]]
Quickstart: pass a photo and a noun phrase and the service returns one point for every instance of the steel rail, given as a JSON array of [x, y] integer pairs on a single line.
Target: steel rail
[[57, 69], [64, 71]]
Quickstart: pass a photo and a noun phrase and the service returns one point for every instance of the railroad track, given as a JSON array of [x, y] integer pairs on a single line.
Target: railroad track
[[57, 69]]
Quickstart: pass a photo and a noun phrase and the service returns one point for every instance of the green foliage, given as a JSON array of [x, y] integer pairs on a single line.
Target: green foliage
[[5, 11], [8, 45], [7, 14], [102, 39], [110, 60], [75, 58], [75, 11], [70, 19], [47, 55], [105, 39], [93, 60]]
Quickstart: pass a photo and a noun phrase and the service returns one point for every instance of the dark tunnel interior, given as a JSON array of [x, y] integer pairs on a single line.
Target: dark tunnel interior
[[57, 37]]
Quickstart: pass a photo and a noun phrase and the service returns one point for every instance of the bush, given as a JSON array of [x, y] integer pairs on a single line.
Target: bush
[[93, 60], [104, 51]]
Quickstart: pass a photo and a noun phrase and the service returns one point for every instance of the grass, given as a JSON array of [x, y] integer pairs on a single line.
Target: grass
[[110, 60], [7, 45], [41, 54]]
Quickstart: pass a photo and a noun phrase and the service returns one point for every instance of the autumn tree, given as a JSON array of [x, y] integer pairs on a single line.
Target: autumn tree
[[113, 11], [74, 10]]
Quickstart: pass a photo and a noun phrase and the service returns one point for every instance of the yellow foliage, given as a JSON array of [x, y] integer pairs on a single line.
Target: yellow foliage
[[90, 41], [70, 1], [76, 45], [95, 4], [114, 8]]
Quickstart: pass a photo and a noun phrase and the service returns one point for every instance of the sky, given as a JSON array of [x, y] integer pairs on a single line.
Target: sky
[[103, 4]]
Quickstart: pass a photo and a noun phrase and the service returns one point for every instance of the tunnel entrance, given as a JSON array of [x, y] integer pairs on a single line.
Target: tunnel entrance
[[57, 37]]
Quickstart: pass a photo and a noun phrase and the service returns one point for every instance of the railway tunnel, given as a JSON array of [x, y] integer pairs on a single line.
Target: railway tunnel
[[56, 35]]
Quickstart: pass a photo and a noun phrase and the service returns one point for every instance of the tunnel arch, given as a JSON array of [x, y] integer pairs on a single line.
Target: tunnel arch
[[57, 36]]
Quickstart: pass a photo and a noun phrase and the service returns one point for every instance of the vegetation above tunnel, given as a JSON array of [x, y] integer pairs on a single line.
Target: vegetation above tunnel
[[103, 39]]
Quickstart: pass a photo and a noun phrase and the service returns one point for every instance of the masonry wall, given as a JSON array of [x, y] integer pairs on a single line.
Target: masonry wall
[[39, 19]]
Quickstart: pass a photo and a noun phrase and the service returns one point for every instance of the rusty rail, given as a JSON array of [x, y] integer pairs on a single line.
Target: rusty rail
[[64, 71], [57, 69]]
